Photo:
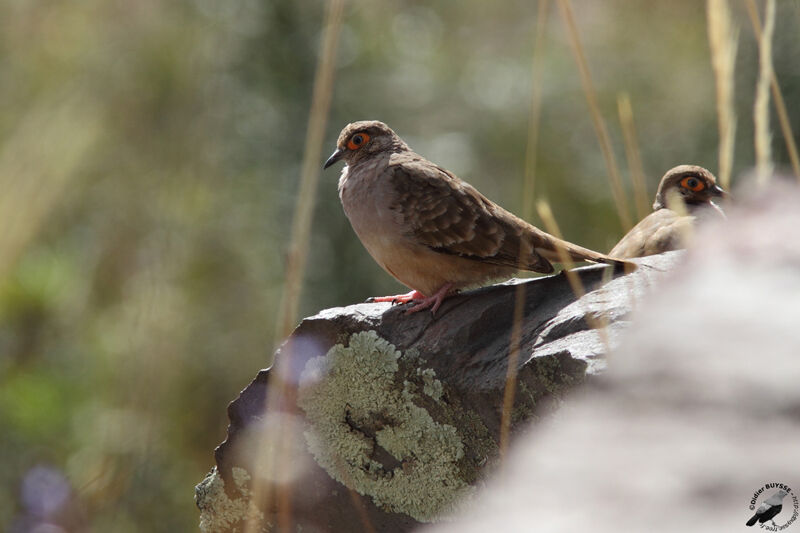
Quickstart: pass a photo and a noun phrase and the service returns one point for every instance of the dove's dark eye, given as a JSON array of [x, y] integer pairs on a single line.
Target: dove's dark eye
[[693, 184], [357, 141]]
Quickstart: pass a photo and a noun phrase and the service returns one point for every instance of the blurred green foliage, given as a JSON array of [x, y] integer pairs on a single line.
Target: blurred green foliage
[[149, 158]]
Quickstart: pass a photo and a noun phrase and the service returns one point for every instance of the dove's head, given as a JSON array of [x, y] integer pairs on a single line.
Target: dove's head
[[363, 139], [692, 184]]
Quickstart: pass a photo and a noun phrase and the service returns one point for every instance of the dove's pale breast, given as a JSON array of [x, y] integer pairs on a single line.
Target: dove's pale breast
[[366, 205]]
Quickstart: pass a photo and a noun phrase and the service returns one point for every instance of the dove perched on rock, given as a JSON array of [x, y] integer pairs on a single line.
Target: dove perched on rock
[[433, 232]]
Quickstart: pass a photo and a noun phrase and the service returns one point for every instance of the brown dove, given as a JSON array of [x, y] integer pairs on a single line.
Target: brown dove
[[433, 232], [668, 229]]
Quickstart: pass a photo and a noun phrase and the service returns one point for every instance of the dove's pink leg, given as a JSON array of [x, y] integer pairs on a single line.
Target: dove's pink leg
[[424, 302], [432, 301], [399, 298]]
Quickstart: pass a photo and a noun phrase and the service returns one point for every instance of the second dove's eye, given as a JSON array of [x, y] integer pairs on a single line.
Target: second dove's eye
[[693, 184], [357, 140]]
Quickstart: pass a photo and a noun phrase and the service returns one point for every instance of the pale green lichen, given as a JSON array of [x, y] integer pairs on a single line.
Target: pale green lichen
[[218, 512], [364, 414], [241, 478], [431, 386]]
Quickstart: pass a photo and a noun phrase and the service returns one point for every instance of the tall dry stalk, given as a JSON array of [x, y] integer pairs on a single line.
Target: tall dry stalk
[[761, 104], [549, 221], [279, 392], [633, 154], [620, 199], [722, 38], [509, 392], [551, 226], [309, 175], [531, 149], [777, 96]]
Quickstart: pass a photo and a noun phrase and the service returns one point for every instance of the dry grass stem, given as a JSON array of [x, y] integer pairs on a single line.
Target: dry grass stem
[[777, 96], [761, 105], [620, 199], [640, 196], [551, 226], [309, 176], [509, 392], [536, 111], [546, 214], [298, 250], [722, 39]]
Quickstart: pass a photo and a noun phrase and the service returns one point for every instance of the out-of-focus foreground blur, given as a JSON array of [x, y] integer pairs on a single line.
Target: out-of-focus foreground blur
[[149, 161]]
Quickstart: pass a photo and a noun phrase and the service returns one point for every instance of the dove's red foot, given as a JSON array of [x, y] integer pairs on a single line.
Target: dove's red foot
[[423, 302], [399, 298], [431, 301]]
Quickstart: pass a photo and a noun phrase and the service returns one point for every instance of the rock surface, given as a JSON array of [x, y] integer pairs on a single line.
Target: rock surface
[[374, 420]]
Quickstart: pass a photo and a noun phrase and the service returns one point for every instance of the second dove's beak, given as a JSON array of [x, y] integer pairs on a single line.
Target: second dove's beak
[[335, 156], [719, 192]]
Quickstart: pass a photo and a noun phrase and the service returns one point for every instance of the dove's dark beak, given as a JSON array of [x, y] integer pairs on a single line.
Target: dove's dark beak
[[335, 156], [719, 192]]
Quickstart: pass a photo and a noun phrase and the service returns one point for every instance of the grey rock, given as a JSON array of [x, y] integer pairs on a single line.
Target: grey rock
[[370, 418]]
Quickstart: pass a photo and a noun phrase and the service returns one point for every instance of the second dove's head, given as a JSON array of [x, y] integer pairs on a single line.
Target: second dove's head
[[695, 185], [359, 140]]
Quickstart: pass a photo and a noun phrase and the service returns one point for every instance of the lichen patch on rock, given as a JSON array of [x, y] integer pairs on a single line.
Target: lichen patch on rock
[[373, 435], [218, 512]]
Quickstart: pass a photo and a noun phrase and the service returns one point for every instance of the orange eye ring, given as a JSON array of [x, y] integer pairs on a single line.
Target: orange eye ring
[[693, 184], [357, 141]]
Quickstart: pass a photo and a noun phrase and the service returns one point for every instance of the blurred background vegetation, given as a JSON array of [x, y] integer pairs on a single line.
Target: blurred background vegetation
[[149, 162]]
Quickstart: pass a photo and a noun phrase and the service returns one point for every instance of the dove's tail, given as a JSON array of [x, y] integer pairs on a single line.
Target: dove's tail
[[579, 253]]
